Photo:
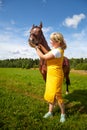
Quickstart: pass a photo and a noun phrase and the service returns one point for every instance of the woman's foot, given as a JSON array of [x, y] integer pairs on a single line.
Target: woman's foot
[[48, 114], [62, 118], [67, 92]]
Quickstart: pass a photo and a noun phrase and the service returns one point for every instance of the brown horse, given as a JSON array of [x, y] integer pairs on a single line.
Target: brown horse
[[37, 38]]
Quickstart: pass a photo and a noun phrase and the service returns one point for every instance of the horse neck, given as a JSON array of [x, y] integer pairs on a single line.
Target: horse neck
[[44, 43]]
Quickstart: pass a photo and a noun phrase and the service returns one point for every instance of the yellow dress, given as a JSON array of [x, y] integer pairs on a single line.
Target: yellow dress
[[54, 79]]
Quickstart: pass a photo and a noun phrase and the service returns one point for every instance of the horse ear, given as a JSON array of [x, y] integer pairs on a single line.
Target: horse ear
[[40, 25], [33, 26]]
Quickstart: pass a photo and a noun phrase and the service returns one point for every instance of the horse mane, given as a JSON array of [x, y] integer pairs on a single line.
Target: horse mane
[[44, 42]]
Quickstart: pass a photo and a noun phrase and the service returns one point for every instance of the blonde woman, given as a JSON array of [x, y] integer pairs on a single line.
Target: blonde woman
[[55, 75]]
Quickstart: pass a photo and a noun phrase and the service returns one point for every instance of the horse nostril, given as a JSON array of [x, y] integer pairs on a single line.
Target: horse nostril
[[32, 40]]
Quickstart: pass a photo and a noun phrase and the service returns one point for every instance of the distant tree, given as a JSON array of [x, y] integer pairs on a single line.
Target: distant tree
[[81, 66], [76, 63]]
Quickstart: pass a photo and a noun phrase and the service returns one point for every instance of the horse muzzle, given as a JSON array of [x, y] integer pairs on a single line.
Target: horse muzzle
[[32, 42]]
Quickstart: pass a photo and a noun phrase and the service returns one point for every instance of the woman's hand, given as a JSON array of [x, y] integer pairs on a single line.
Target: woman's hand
[[42, 48]]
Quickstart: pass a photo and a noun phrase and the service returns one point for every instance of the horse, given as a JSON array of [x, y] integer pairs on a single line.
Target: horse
[[37, 38]]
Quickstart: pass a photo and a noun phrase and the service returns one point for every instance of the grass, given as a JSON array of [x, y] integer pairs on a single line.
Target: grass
[[22, 105]]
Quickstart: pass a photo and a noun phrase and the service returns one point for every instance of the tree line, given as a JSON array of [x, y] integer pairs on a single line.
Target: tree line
[[78, 63], [75, 63], [19, 63]]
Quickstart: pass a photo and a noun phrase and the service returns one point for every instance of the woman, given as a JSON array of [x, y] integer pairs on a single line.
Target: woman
[[55, 75]]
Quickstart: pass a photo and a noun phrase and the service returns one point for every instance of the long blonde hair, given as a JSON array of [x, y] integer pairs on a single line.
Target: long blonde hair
[[58, 37]]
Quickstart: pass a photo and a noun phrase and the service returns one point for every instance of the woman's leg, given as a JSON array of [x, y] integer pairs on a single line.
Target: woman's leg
[[61, 105], [62, 108], [49, 113], [51, 107]]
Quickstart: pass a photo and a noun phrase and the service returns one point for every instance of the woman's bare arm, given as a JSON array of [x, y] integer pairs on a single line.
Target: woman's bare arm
[[46, 56]]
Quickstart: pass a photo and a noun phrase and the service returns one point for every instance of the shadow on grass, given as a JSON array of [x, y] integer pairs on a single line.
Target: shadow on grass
[[76, 102]]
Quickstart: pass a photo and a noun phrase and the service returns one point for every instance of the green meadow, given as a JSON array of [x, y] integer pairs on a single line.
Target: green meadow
[[22, 105]]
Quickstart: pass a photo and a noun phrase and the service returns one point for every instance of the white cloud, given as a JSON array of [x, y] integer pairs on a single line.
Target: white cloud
[[81, 35], [76, 50], [14, 50], [14, 43], [47, 29], [77, 45], [74, 21]]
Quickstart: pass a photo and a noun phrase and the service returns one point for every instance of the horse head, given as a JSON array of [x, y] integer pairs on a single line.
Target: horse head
[[36, 37]]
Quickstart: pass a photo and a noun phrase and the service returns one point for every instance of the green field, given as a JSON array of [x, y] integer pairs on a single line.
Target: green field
[[22, 105]]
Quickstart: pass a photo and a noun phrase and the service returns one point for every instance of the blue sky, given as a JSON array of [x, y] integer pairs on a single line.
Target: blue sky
[[66, 16]]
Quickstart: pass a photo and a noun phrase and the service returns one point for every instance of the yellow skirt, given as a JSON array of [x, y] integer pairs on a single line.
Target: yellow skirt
[[54, 85]]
